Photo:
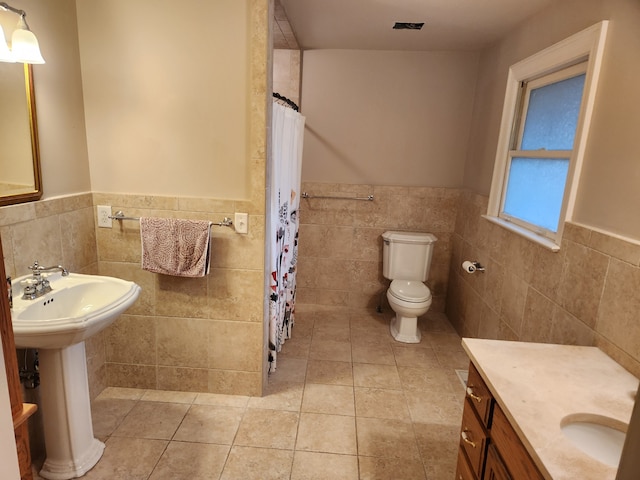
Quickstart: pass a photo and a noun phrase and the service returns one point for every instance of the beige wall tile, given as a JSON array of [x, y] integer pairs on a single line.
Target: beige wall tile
[[514, 295], [246, 354], [183, 379], [235, 295], [235, 383], [181, 297], [37, 240], [132, 339], [132, 376], [182, 342], [78, 237], [615, 247], [618, 314], [537, 319]]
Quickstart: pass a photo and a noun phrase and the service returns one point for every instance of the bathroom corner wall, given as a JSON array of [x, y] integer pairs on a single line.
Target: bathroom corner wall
[[588, 293], [340, 252], [287, 73]]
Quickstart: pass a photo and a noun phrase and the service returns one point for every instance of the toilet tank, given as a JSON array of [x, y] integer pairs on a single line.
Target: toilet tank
[[407, 255]]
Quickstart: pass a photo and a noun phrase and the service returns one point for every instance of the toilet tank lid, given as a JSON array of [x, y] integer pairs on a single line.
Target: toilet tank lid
[[409, 237]]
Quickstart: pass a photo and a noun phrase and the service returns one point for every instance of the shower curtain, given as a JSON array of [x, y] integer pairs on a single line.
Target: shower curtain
[[287, 134]]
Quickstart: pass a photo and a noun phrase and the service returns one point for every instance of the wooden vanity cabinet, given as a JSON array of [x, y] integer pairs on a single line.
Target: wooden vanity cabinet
[[490, 449], [19, 411]]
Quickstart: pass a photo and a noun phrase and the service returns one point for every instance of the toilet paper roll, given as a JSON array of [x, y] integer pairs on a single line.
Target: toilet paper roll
[[468, 266]]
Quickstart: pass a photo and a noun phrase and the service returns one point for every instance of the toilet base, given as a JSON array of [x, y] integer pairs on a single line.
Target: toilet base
[[405, 329]]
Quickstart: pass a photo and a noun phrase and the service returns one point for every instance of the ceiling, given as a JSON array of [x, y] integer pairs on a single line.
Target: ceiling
[[367, 24]]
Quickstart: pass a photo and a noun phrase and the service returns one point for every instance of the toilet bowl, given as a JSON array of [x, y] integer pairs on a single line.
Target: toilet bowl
[[409, 299], [406, 260]]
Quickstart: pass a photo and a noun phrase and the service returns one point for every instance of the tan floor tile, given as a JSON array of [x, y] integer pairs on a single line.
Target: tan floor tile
[[453, 358], [375, 468], [435, 407], [268, 429], [380, 403], [280, 396], [108, 413], [122, 393], [330, 350], [168, 397], [247, 463], [383, 437], [415, 356], [289, 369], [152, 420], [321, 466], [329, 373], [428, 379], [240, 401], [319, 432], [330, 399], [444, 341], [376, 376], [367, 353], [210, 424], [127, 459], [296, 347], [195, 461]]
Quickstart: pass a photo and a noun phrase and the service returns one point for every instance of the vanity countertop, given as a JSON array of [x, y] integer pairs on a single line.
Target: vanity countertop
[[537, 385]]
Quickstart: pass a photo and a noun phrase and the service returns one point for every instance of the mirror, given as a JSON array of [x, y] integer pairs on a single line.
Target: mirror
[[20, 177]]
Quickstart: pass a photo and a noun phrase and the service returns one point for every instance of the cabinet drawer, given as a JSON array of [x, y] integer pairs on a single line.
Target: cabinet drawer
[[473, 438], [463, 471], [479, 395], [513, 453]]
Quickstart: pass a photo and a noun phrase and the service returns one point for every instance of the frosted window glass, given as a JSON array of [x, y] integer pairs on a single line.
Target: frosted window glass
[[535, 190], [552, 115]]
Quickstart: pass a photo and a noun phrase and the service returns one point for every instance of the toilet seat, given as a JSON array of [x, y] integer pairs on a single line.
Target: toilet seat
[[410, 291]]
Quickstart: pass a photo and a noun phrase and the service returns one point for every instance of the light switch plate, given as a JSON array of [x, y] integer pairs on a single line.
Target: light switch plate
[[241, 222]]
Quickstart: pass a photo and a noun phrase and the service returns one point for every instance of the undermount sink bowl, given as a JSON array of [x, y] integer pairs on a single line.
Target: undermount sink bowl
[[602, 438], [77, 307]]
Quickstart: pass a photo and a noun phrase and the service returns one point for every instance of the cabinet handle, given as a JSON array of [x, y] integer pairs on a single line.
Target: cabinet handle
[[473, 395], [465, 439]]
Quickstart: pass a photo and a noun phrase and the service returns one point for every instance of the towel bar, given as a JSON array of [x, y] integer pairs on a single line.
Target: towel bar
[[227, 222], [366, 199]]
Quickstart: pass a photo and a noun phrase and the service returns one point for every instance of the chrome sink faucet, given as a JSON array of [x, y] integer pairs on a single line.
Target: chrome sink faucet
[[37, 285]]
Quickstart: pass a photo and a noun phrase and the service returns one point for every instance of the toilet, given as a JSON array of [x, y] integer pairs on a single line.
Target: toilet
[[406, 261]]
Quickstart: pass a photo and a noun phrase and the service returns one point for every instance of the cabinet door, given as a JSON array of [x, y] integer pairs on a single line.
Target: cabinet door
[[495, 469], [479, 395], [463, 471]]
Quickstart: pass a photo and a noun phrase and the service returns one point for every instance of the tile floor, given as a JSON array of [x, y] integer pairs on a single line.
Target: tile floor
[[346, 402]]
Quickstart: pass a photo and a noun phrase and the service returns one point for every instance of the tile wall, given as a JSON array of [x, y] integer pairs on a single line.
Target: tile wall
[[588, 293], [340, 252], [198, 335]]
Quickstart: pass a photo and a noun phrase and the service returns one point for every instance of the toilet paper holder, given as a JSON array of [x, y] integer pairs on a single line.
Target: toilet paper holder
[[471, 267]]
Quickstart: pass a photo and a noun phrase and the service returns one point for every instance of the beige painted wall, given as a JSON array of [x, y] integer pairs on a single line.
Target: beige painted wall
[[611, 172], [166, 96], [58, 90], [387, 118]]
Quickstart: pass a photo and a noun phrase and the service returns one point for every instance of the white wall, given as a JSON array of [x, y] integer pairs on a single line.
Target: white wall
[[608, 193], [166, 92], [387, 117]]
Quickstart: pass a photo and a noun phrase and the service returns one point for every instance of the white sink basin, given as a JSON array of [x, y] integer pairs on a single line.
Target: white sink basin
[[602, 438], [78, 307]]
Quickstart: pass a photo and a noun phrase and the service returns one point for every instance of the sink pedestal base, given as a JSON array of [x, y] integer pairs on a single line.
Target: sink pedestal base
[[71, 447]]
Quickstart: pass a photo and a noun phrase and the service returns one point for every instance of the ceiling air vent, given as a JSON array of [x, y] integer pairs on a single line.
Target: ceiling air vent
[[408, 26]]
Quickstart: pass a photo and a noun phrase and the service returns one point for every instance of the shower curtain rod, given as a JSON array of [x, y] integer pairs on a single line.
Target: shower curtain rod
[[284, 99]]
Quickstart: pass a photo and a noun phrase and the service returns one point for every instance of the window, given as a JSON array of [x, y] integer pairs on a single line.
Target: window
[[545, 120]]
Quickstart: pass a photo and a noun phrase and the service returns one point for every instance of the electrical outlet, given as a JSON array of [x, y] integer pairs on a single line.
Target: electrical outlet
[[104, 214], [241, 222]]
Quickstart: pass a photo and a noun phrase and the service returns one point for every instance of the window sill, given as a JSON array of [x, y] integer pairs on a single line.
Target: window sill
[[529, 235]]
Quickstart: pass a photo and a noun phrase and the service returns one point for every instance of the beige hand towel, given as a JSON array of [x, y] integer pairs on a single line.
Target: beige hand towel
[[175, 247]]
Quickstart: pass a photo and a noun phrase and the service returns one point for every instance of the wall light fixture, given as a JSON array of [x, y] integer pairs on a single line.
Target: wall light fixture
[[24, 44]]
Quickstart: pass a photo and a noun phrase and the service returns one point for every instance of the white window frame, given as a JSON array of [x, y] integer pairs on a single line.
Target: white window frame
[[587, 45]]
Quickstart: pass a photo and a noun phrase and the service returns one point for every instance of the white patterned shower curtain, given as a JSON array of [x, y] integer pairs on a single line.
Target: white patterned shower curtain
[[287, 136]]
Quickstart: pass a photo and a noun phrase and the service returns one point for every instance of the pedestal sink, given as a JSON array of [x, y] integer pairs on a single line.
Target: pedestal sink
[[58, 323]]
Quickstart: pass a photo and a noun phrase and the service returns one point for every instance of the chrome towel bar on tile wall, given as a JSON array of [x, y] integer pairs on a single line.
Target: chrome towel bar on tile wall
[[366, 199], [227, 222]]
